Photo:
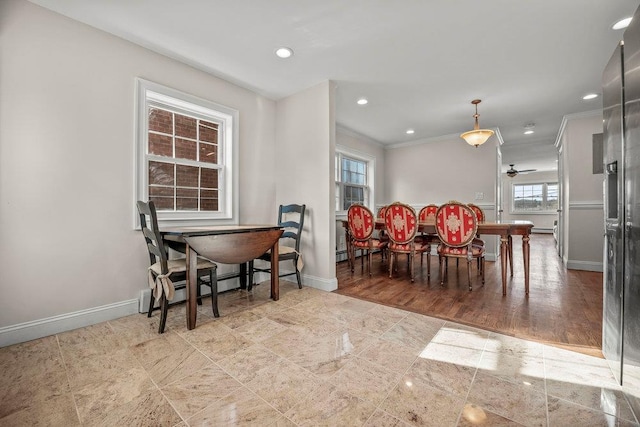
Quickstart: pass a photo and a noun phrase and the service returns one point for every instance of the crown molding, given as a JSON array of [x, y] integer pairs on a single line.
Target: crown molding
[[352, 133], [568, 117]]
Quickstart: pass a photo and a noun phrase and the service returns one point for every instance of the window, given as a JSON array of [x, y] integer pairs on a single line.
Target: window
[[535, 198], [185, 149], [353, 179]]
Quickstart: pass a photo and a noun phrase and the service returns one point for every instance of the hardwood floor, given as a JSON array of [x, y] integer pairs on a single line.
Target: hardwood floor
[[564, 307]]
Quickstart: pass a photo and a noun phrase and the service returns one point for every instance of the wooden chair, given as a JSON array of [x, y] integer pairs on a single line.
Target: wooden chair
[[164, 272], [381, 234], [291, 218], [480, 216], [361, 227], [428, 213], [401, 225], [457, 225]]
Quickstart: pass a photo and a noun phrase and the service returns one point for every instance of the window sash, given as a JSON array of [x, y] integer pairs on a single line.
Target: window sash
[[221, 143], [352, 181], [540, 197]]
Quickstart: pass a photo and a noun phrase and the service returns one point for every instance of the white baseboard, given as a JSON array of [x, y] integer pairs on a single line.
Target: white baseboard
[[584, 265], [28, 331]]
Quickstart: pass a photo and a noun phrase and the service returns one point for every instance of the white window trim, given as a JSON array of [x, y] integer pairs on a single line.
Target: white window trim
[[148, 92], [512, 211], [371, 168]]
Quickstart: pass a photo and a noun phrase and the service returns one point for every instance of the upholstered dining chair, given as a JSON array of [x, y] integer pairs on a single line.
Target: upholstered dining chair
[[381, 234], [480, 217], [291, 218], [428, 214], [457, 225], [362, 224], [164, 272], [401, 225]]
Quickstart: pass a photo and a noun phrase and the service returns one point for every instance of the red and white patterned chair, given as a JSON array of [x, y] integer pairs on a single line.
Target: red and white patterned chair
[[361, 226], [480, 216], [428, 214], [401, 225], [457, 225], [382, 235]]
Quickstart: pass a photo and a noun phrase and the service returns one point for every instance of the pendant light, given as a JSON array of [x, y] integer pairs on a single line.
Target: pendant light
[[476, 136]]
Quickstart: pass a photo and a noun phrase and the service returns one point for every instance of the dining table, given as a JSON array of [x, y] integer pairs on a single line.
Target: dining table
[[503, 228], [225, 244]]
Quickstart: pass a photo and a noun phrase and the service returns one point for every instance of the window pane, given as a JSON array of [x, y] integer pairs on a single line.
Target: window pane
[[160, 174], [161, 145], [160, 120], [187, 176], [208, 153], [209, 178], [186, 199], [185, 149], [208, 200], [352, 195], [186, 126], [208, 132]]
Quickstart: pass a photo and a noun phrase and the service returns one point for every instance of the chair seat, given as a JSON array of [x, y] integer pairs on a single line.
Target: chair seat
[[427, 239], [180, 265], [375, 244], [476, 251], [406, 247], [477, 242]]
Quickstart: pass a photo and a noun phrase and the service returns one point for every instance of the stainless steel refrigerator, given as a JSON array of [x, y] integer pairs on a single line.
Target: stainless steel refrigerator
[[621, 127]]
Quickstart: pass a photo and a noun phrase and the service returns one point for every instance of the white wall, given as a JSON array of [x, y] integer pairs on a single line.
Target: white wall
[[443, 169], [305, 145], [436, 171], [583, 208], [542, 222], [66, 161]]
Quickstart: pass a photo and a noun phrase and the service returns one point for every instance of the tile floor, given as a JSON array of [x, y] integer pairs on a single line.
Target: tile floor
[[312, 358]]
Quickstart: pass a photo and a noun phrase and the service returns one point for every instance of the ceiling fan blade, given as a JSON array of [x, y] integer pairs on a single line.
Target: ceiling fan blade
[[527, 170]]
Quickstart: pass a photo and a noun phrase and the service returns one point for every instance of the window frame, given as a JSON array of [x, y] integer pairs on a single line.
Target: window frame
[[545, 185], [153, 94], [369, 187]]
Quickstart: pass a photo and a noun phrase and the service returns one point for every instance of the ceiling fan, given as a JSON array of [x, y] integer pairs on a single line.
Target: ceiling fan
[[513, 172]]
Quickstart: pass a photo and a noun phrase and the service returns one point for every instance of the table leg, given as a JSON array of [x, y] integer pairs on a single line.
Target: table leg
[[275, 273], [192, 287], [511, 254], [504, 242], [243, 275], [525, 256]]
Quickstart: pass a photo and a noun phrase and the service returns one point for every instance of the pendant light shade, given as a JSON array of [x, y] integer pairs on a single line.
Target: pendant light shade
[[476, 136]]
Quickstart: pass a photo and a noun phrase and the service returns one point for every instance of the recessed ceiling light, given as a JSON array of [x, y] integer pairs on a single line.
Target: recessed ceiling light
[[410, 131], [590, 96], [623, 23], [284, 52], [363, 101], [528, 128]]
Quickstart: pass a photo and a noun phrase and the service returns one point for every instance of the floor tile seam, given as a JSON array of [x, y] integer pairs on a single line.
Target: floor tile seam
[[66, 370], [243, 386], [590, 408], [164, 396]]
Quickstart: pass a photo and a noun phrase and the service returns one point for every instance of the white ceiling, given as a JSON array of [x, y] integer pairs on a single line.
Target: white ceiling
[[419, 62]]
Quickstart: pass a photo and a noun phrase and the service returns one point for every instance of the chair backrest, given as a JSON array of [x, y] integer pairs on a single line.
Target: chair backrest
[[456, 224], [291, 218], [361, 222], [381, 212], [152, 236], [478, 211], [401, 223], [428, 213]]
